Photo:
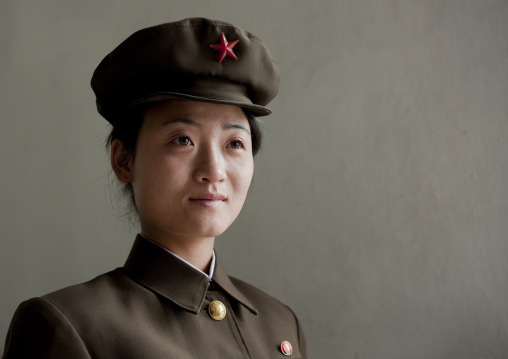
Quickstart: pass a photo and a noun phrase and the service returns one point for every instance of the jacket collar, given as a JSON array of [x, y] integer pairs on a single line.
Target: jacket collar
[[165, 274]]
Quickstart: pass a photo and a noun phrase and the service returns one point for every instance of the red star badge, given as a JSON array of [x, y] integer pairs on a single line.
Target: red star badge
[[225, 48]]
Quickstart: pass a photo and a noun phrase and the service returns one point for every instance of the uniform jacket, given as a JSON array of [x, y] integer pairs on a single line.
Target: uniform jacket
[[156, 306]]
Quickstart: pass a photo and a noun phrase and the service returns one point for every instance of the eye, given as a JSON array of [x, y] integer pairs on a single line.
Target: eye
[[236, 144], [182, 141]]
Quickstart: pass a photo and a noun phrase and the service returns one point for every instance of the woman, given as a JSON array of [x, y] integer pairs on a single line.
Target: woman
[[181, 98]]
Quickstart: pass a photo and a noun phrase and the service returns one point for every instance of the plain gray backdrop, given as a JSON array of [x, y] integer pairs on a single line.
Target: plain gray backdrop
[[379, 206]]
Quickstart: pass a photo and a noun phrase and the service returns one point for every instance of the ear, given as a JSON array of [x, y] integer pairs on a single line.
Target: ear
[[121, 161]]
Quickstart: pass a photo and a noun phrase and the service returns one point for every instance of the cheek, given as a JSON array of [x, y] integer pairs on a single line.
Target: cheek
[[242, 176], [153, 174]]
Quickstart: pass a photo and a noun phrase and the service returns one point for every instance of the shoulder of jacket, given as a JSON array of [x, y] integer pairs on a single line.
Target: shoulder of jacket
[[107, 285], [258, 297], [102, 282], [40, 330]]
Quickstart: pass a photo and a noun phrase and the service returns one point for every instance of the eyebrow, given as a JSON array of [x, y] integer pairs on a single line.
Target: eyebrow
[[182, 120], [235, 125], [196, 124]]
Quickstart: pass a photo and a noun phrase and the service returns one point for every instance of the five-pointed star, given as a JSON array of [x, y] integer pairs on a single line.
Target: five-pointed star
[[225, 48]]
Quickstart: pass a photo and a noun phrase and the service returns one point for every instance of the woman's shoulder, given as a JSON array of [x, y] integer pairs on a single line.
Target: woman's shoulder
[[82, 303], [255, 294], [102, 286], [52, 325]]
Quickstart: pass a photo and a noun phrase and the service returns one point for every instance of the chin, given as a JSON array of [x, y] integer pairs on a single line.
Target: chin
[[210, 228], [208, 232]]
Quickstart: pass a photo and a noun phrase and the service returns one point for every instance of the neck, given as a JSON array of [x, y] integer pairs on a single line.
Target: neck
[[196, 251]]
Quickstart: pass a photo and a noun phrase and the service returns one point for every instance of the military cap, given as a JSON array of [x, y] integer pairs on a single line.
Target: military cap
[[196, 58]]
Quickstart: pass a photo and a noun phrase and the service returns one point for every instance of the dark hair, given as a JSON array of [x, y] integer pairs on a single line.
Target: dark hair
[[126, 129]]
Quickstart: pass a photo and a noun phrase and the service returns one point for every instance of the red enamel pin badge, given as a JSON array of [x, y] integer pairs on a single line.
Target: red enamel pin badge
[[286, 348], [225, 48]]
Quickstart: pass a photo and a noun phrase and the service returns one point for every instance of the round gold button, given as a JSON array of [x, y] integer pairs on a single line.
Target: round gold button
[[217, 310]]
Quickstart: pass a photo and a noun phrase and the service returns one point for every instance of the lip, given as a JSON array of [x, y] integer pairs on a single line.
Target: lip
[[209, 200], [208, 196]]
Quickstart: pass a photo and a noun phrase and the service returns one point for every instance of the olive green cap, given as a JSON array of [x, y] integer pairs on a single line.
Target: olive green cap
[[175, 61]]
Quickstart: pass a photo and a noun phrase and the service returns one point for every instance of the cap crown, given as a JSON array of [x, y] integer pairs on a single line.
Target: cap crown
[[175, 60]]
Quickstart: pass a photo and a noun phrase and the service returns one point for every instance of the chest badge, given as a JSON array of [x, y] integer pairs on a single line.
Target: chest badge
[[286, 348], [217, 310]]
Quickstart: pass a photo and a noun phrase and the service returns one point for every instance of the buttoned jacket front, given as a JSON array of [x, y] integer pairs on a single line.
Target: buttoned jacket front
[[156, 306]]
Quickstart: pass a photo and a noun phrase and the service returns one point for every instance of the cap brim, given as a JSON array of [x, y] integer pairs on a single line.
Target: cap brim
[[256, 110]]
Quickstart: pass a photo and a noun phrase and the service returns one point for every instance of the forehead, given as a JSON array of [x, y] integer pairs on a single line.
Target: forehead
[[204, 113]]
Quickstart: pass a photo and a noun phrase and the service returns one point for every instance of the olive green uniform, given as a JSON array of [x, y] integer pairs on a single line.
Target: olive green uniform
[[156, 306]]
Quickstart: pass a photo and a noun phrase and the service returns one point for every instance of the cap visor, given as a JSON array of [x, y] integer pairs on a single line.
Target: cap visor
[[256, 110]]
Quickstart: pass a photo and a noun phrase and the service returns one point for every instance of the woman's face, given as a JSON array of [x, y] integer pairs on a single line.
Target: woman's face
[[191, 169]]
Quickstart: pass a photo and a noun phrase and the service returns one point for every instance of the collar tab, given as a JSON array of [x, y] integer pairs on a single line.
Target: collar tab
[[164, 273]]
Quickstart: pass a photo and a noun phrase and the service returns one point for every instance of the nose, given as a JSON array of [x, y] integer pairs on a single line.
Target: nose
[[210, 165]]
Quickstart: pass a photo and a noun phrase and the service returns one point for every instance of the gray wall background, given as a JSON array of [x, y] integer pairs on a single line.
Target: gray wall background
[[379, 205]]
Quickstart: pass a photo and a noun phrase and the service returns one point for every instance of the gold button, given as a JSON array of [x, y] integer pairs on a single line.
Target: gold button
[[217, 310]]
